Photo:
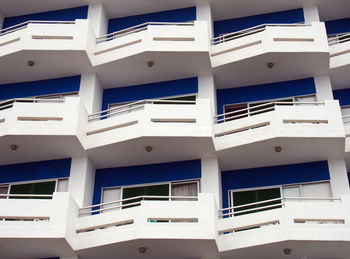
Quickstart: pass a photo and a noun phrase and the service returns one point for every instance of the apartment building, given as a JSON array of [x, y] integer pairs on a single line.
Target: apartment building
[[174, 129]]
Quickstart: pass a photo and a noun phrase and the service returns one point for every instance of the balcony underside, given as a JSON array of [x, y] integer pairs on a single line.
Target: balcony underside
[[38, 147], [286, 66], [294, 150], [155, 248], [28, 248], [310, 249], [164, 149]]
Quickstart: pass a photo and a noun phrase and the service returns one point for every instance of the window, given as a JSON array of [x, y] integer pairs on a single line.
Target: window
[[40, 187], [241, 110], [110, 195]]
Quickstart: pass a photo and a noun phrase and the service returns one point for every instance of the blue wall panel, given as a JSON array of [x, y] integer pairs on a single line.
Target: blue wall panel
[[59, 15], [42, 87], [149, 91], [264, 92], [343, 96], [35, 170], [142, 174], [338, 26], [237, 24], [273, 175], [178, 15]]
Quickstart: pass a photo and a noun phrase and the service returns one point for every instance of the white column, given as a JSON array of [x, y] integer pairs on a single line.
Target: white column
[[323, 88], [98, 19], [91, 92], [82, 181], [339, 177], [203, 13], [211, 179], [311, 14], [207, 90]]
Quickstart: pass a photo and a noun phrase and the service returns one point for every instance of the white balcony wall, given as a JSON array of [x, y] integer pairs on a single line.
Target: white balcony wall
[[276, 39], [339, 54], [41, 36], [322, 120], [166, 120], [157, 38], [42, 118], [305, 221]]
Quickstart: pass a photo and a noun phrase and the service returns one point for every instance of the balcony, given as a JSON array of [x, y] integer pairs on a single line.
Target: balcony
[[52, 45], [36, 221], [54, 125], [317, 222], [173, 221], [339, 46], [281, 51], [167, 126], [176, 50], [279, 132]]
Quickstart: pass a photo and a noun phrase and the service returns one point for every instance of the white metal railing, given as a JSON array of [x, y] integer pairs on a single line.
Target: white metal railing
[[338, 38], [133, 201], [43, 196], [132, 107], [254, 110], [264, 205], [24, 25], [9, 103], [138, 28], [346, 119], [252, 30]]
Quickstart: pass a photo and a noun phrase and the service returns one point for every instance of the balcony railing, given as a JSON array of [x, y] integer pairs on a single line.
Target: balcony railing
[[138, 28], [249, 31], [338, 38], [24, 25], [258, 109], [128, 203], [9, 103], [134, 106]]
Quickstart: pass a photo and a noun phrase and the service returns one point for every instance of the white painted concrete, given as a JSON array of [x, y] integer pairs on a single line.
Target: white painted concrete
[[81, 181], [211, 179], [323, 88], [204, 13], [98, 18], [339, 177], [311, 14], [91, 92], [207, 90]]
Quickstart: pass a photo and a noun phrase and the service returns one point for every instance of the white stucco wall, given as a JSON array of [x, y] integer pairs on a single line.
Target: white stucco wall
[[98, 19]]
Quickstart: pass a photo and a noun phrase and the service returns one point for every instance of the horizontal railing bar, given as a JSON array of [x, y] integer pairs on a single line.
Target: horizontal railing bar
[[137, 28], [110, 208], [27, 195], [313, 198], [139, 197], [263, 26], [251, 204], [253, 209]]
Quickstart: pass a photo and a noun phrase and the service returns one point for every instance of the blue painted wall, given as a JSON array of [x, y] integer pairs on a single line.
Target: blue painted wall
[[338, 26], [42, 87], [273, 175], [59, 15], [343, 96], [264, 92], [143, 174], [149, 91], [237, 24], [35, 170], [178, 15]]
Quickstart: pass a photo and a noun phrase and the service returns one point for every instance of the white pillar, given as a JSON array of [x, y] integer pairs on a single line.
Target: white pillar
[[207, 90], [98, 19], [339, 177], [82, 181], [323, 88], [91, 92], [203, 13], [211, 179], [311, 14]]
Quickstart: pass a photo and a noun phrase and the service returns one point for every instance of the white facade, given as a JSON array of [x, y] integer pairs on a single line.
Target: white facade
[[173, 138]]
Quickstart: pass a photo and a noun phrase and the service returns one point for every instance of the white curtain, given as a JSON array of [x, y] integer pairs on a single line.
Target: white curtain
[[184, 189]]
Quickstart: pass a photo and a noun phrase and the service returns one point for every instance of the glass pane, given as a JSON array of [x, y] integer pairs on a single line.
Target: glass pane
[[293, 191], [152, 190], [3, 190], [178, 98], [111, 194], [44, 188], [236, 111], [317, 190], [184, 189], [21, 189]]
